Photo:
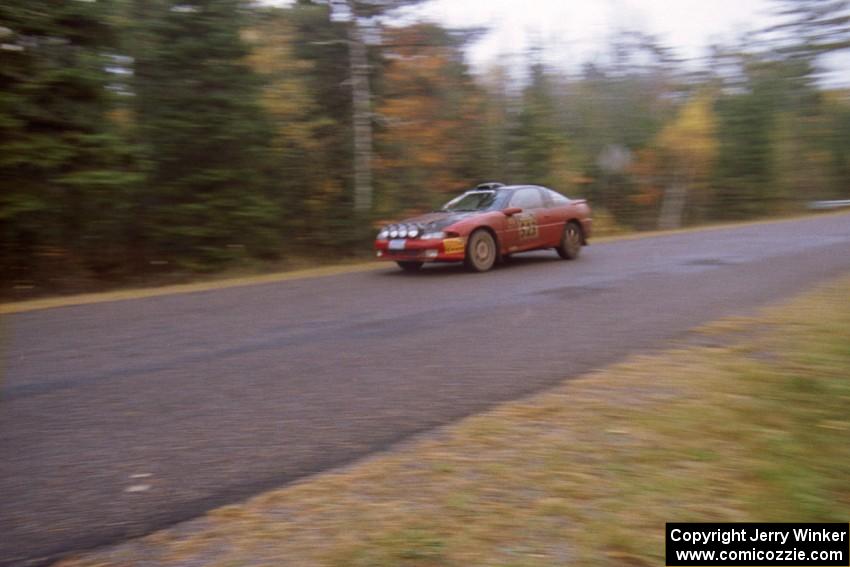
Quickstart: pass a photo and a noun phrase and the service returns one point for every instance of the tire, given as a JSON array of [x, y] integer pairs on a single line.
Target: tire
[[481, 251], [570, 245], [409, 266]]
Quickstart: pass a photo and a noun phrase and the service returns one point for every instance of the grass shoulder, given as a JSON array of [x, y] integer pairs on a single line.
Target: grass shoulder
[[745, 420]]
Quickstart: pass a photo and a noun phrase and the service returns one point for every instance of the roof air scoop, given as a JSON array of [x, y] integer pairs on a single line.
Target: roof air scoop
[[489, 185]]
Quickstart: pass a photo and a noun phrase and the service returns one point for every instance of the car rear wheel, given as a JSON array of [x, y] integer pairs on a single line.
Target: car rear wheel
[[480, 251], [409, 266], [570, 246]]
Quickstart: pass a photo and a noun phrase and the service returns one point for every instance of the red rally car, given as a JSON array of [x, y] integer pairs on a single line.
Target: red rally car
[[488, 223]]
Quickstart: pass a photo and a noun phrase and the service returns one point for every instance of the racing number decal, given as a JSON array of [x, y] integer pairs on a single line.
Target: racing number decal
[[453, 245], [528, 227]]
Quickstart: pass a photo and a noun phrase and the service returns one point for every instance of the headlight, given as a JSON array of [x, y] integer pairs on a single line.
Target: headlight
[[383, 234], [433, 235], [402, 232], [393, 232], [413, 232]]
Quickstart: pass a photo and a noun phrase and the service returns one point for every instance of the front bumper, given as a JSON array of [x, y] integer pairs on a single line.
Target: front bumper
[[418, 250]]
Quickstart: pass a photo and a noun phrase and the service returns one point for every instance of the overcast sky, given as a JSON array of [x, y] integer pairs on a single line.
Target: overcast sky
[[575, 31], [578, 30]]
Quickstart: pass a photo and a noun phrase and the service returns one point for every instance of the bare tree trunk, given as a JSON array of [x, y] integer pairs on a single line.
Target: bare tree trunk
[[673, 206], [362, 119]]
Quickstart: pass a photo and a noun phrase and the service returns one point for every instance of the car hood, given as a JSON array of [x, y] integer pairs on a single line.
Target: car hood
[[438, 220]]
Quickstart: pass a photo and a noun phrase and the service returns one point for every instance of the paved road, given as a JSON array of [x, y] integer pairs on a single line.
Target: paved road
[[216, 395]]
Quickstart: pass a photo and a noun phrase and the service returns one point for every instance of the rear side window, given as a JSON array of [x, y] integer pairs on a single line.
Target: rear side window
[[528, 198], [557, 198]]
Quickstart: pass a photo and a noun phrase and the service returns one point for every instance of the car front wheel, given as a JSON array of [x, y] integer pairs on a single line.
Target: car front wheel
[[480, 251]]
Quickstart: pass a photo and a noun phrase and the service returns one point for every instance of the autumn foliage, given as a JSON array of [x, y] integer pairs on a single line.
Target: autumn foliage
[[143, 137]]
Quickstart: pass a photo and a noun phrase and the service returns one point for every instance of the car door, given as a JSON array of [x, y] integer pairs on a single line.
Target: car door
[[523, 229], [554, 217]]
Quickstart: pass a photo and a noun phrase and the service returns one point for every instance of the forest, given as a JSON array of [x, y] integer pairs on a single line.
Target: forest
[[142, 138]]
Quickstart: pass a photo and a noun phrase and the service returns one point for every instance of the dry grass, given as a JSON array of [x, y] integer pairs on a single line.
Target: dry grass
[[754, 428], [216, 283]]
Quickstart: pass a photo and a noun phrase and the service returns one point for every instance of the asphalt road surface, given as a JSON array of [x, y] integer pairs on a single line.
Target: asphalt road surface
[[119, 418]]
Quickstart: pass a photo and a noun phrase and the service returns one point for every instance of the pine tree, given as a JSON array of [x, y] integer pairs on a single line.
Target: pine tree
[[814, 26], [202, 128], [327, 190], [64, 175]]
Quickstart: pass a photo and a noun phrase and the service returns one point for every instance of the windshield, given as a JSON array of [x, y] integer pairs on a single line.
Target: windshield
[[471, 201]]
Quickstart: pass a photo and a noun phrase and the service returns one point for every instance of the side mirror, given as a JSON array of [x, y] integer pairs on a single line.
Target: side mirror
[[511, 211]]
